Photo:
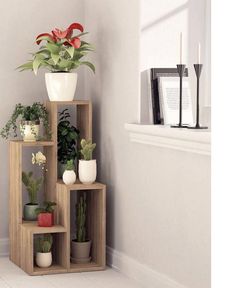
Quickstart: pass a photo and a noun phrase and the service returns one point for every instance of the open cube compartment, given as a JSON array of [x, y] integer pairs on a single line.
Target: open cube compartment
[[95, 223]]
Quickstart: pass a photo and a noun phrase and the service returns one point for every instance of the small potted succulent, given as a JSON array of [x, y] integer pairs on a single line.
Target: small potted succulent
[[81, 246], [30, 117], [61, 53], [45, 214], [32, 186], [44, 254], [69, 176], [67, 137], [87, 165]]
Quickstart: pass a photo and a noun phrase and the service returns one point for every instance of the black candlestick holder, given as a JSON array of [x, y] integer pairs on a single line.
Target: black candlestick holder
[[181, 70], [198, 71]]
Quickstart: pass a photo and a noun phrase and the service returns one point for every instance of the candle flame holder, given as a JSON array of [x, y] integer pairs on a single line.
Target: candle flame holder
[[198, 71], [181, 70]]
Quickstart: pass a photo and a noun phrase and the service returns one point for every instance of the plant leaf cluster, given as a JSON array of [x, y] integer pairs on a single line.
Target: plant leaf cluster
[[67, 137], [32, 186], [87, 148], [59, 57], [44, 243], [36, 111], [48, 208]]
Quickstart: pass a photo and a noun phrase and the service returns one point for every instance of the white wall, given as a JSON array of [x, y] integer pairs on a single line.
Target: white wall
[[161, 24], [21, 21], [158, 201]]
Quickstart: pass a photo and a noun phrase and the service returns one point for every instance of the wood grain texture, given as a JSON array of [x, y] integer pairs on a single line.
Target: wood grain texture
[[22, 233], [15, 200]]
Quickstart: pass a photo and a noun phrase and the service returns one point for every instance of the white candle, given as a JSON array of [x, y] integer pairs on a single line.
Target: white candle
[[199, 53], [181, 48]]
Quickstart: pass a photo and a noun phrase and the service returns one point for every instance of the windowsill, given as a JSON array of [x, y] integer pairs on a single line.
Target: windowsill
[[194, 141]]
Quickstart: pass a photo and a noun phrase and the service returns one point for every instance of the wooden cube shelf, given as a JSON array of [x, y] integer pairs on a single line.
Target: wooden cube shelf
[[96, 219], [22, 233]]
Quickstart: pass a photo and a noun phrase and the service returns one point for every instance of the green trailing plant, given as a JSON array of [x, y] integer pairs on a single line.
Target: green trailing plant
[[87, 148], [67, 137], [32, 186], [61, 52], [48, 208], [35, 112], [70, 165], [44, 243], [81, 218]]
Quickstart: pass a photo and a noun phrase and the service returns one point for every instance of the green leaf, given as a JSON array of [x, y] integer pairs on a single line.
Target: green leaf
[[26, 66], [53, 48], [70, 51], [89, 64], [55, 58], [36, 63]]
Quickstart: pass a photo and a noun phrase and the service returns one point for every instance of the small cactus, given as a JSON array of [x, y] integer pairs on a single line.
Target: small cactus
[[44, 243], [70, 165], [87, 149], [81, 218]]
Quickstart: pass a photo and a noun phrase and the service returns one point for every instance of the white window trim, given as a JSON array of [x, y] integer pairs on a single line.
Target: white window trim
[[194, 141]]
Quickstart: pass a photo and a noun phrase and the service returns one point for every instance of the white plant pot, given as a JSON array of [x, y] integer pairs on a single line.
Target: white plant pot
[[44, 260], [29, 130], [61, 86], [69, 177], [87, 171]]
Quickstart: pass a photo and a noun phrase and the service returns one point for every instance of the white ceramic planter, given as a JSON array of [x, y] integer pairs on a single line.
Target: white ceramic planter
[[69, 177], [87, 171], [29, 130], [44, 260], [61, 86]]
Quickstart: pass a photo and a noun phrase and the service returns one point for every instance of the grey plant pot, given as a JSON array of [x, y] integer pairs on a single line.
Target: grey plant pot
[[81, 250], [29, 212]]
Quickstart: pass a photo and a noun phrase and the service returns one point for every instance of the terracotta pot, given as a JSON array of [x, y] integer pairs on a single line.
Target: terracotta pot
[[45, 219]]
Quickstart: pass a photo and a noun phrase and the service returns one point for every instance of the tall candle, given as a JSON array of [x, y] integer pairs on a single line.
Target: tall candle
[[181, 48], [199, 53]]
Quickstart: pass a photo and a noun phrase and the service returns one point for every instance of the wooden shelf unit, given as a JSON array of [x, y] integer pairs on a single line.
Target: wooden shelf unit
[[22, 233]]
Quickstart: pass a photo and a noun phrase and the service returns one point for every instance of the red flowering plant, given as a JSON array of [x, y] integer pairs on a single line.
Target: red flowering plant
[[61, 52]]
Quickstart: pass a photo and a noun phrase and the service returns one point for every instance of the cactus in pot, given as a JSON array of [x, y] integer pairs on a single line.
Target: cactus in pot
[[44, 254], [80, 247], [87, 165], [69, 176]]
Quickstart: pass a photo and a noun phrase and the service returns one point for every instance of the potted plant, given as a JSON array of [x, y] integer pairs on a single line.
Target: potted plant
[[44, 254], [87, 166], [45, 214], [80, 247], [30, 117], [67, 137], [69, 176], [32, 186], [62, 53]]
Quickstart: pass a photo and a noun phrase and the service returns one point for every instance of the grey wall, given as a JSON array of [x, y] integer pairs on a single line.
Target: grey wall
[[21, 21], [158, 211]]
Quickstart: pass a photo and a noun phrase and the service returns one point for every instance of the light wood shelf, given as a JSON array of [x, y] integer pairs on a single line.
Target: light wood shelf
[[33, 144], [22, 233]]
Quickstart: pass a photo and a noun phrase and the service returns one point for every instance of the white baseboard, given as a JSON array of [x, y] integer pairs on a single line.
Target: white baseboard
[[4, 246], [146, 276]]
